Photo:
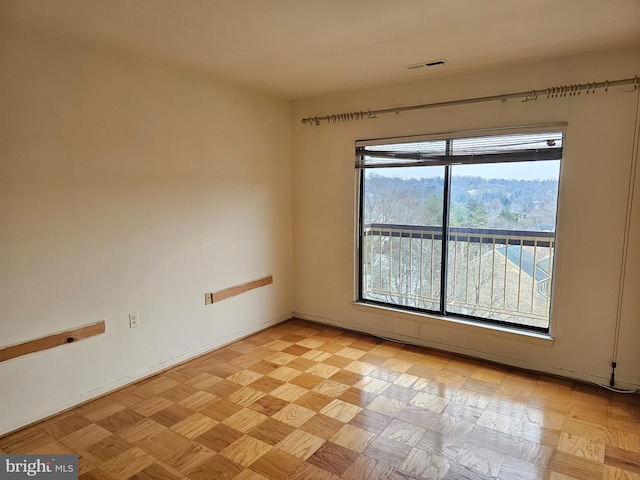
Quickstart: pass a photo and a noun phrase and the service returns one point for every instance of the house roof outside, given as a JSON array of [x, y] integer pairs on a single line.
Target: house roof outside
[[523, 258]]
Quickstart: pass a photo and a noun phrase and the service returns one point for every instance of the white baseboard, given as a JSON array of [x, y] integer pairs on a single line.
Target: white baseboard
[[98, 392], [513, 362]]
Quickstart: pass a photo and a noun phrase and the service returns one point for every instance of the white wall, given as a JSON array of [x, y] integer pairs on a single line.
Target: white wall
[[593, 195], [129, 186]]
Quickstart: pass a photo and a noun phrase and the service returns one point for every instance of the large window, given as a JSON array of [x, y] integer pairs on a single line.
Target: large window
[[462, 225]]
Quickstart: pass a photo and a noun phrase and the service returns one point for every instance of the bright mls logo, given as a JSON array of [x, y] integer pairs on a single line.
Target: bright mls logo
[[50, 467]]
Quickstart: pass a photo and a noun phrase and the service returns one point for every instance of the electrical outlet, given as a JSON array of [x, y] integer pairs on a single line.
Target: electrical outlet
[[134, 320], [208, 298]]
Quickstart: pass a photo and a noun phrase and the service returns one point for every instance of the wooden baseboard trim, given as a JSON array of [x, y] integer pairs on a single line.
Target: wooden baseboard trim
[[50, 341], [238, 289]]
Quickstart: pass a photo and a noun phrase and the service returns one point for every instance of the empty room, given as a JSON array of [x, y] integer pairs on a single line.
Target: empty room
[[358, 239]]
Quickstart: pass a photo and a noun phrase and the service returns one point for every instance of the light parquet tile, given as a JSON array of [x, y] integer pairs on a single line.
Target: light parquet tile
[[323, 370], [289, 392], [513, 468], [352, 353], [158, 384], [353, 438], [425, 465], [84, 437], [410, 380], [503, 423], [245, 450], [141, 430], [305, 401], [582, 447], [386, 406], [440, 444], [194, 425], [285, 374], [52, 447], [613, 473], [66, 425], [164, 443], [151, 406], [404, 432], [372, 385], [481, 459], [245, 396], [431, 402], [388, 451], [340, 410], [301, 444], [105, 449], [294, 415], [331, 388], [244, 377], [365, 467], [577, 467], [127, 464], [531, 452], [102, 411], [198, 400], [245, 420], [187, 457], [622, 439]]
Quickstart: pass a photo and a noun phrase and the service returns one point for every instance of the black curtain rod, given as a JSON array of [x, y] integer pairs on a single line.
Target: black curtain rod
[[550, 92]]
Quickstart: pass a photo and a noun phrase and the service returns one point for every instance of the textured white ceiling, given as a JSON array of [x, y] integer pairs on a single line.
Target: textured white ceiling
[[299, 48]]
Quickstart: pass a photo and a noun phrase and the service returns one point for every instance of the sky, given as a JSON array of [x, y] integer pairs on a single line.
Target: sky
[[540, 170]]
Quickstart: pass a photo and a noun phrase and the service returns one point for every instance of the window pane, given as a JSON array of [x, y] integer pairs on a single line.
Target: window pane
[[402, 236], [494, 245], [502, 219]]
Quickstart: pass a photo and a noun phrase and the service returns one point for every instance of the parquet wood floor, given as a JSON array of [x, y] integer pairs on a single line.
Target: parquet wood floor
[[305, 401]]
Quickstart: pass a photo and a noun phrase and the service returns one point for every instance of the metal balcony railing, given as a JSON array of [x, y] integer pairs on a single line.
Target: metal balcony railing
[[501, 275]]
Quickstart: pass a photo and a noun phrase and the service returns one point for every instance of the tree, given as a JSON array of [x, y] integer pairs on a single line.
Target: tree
[[404, 268]]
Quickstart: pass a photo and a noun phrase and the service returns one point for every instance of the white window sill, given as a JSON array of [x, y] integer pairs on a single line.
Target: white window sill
[[458, 324]]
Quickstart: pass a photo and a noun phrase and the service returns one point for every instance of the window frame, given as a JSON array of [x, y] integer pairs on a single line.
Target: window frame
[[443, 312]]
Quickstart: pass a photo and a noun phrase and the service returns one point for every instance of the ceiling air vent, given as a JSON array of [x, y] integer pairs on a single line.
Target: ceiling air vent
[[430, 63]]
